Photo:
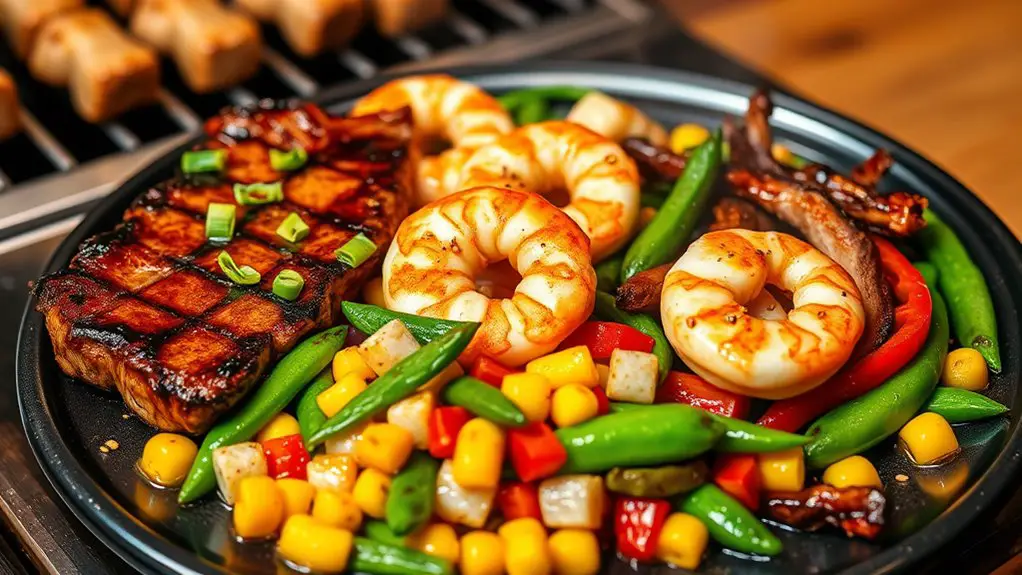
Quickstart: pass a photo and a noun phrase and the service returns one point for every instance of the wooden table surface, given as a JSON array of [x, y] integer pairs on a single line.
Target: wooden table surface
[[942, 76]]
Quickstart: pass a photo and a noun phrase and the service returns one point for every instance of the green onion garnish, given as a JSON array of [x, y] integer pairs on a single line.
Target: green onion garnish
[[288, 284], [256, 194], [293, 229], [202, 161], [355, 251], [245, 275], [288, 161], [220, 221]]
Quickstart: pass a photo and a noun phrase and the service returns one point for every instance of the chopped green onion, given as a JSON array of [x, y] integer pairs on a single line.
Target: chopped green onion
[[288, 161], [355, 251], [293, 229], [256, 194], [245, 275], [220, 221], [288, 284], [202, 161]]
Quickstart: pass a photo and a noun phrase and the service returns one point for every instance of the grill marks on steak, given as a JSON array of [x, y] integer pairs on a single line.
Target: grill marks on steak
[[146, 310]]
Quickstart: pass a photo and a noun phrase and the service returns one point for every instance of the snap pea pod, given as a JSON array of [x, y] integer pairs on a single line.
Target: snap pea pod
[[483, 400], [652, 435], [369, 318], [291, 374], [399, 382], [410, 499], [512, 100], [659, 242], [310, 416], [960, 405], [607, 309], [729, 522], [377, 530], [659, 482], [928, 271], [869, 419], [531, 111], [607, 273], [962, 283], [383, 559], [651, 201]]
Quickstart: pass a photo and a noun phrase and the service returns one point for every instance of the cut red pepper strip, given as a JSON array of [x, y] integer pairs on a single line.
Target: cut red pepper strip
[[535, 451], [603, 337], [693, 390], [517, 499], [444, 424], [490, 371], [286, 457], [637, 525], [912, 324], [737, 474]]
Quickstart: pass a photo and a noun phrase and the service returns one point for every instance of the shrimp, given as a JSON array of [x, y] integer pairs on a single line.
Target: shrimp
[[443, 108], [706, 318], [615, 119], [433, 263], [600, 178]]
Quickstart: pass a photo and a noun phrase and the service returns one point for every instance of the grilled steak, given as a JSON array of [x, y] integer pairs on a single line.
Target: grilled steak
[[146, 309]]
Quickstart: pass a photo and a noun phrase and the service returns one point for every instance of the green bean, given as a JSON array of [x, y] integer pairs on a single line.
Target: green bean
[[662, 238], [399, 382], [607, 273], [291, 374], [410, 499], [651, 201], [483, 400], [369, 318], [729, 522], [383, 559], [310, 416], [962, 283], [607, 309], [531, 111], [958, 405], [929, 272], [378, 531], [512, 100]]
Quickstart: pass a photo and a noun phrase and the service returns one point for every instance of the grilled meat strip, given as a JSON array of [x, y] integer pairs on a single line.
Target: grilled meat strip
[[859, 511], [146, 309]]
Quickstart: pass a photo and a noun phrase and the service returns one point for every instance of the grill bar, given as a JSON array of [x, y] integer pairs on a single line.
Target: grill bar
[[414, 47], [363, 67], [291, 74], [122, 136], [472, 32], [49, 145], [182, 114], [513, 11]]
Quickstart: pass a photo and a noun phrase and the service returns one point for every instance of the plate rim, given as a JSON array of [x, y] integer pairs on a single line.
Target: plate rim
[[145, 549]]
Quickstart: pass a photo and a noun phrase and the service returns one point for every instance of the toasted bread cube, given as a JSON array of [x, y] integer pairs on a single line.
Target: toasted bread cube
[[633, 376], [455, 504], [233, 463], [389, 345], [310, 27], [572, 501], [10, 121], [398, 17], [22, 20], [412, 413]]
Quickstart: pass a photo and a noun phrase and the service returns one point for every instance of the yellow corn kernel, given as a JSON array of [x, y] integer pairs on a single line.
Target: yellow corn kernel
[[259, 507], [573, 404], [782, 470], [604, 373], [525, 547], [437, 539], [337, 509], [687, 136], [965, 368], [478, 455], [339, 394], [682, 541], [854, 471], [167, 458], [372, 293], [530, 393], [333, 472], [928, 438], [572, 365], [297, 494], [283, 425], [482, 553], [384, 446], [313, 546], [574, 552], [371, 491], [782, 154], [348, 361]]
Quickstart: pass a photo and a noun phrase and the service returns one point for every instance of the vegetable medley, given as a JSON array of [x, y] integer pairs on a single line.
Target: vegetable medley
[[404, 445]]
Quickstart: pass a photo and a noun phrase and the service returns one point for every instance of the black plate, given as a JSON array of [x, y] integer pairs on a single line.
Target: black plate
[[67, 421]]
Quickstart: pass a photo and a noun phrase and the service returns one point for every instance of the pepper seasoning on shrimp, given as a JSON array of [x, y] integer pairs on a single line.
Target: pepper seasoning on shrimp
[[432, 265], [705, 301], [443, 108]]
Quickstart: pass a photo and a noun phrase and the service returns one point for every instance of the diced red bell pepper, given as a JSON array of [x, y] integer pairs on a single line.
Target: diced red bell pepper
[[490, 371], [695, 391], [603, 337], [444, 424], [737, 475], [602, 401], [535, 451], [637, 525], [286, 457], [517, 499]]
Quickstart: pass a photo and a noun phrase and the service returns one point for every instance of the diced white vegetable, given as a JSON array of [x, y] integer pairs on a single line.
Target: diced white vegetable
[[572, 501], [389, 345], [412, 413], [344, 443], [333, 472], [455, 504], [632, 377], [236, 462]]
